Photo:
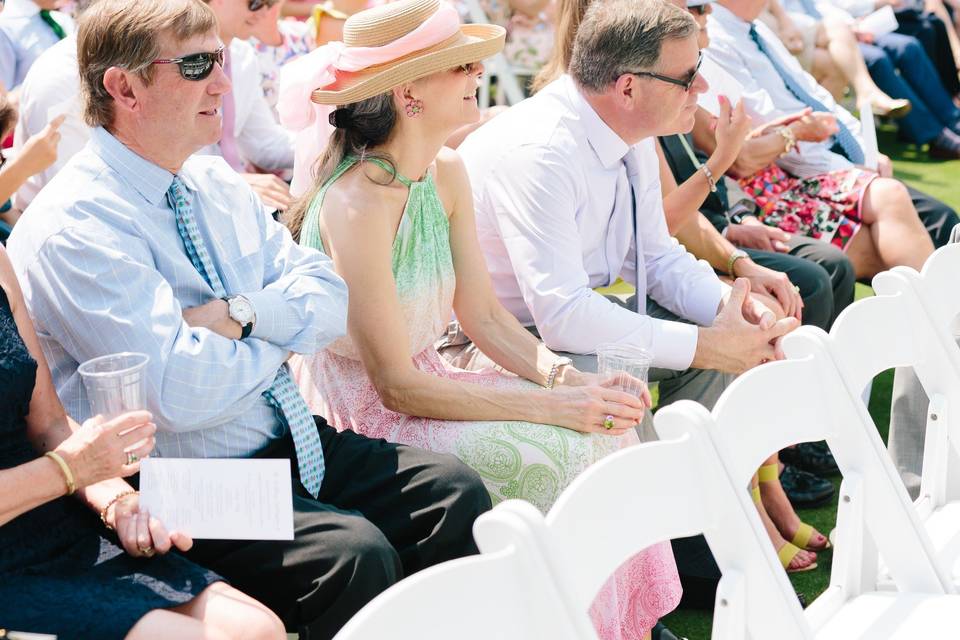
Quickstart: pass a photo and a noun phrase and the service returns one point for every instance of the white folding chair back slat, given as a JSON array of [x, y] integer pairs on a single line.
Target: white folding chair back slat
[[504, 594], [899, 327]]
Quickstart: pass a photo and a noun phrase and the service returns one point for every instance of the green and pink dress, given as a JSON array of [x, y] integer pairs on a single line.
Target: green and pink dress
[[533, 462]]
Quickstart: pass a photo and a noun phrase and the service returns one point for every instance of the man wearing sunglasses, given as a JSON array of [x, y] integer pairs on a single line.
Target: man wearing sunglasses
[[254, 141], [141, 244], [568, 199]]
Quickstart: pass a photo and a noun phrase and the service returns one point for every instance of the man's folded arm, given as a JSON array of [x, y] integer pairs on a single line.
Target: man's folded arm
[[95, 299]]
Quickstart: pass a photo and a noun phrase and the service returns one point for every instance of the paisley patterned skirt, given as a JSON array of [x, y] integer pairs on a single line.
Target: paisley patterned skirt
[[533, 462], [825, 207]]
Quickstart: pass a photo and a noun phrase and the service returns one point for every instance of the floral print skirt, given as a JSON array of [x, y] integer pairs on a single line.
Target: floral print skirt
[[825, 206]]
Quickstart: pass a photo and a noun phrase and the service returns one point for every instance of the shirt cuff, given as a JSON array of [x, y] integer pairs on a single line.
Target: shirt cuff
[[705, 302], [674, 344], [270, 308]]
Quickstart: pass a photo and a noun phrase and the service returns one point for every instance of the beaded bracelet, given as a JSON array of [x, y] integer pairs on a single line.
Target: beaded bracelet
[[113, 501], [65, 470]]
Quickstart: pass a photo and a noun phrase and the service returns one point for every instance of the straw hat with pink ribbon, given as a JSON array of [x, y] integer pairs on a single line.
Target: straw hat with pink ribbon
[[382, 48]]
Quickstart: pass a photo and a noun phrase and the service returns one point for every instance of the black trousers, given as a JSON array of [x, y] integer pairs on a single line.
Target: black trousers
[[932, 34], [384, 511]]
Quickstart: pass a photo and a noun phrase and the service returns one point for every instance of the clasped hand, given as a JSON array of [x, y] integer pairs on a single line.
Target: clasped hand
[[140, 534]]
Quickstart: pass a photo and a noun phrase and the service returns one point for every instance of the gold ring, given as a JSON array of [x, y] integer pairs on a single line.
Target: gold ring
[[796, 288], [147, 551]]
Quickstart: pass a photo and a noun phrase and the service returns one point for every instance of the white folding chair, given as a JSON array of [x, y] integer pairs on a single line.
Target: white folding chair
[[909, 324], [503, 594], [807, 399], [651, 493]]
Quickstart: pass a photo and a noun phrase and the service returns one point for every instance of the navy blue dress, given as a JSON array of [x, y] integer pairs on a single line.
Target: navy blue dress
[[60, 571]]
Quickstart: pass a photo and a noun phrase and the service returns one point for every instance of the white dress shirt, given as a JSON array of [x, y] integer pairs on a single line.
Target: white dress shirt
[[765, 95], [51, 88], [555, 219], [23, 37], [260, 139]]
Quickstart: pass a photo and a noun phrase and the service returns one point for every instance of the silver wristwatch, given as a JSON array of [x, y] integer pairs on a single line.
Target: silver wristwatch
[[241, 311]]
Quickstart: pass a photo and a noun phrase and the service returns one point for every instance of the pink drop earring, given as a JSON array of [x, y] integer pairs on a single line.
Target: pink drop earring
[[414, 107]]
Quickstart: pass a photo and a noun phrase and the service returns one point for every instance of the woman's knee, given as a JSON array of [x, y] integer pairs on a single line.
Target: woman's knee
[[239, 616], [888, 198]]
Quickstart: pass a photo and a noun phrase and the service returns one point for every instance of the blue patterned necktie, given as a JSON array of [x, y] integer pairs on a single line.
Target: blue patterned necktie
[[848, 143], [283, 394]]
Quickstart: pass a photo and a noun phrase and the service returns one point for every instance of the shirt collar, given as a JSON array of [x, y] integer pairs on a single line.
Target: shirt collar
[[729, 21], [609, 147], [150, 180]]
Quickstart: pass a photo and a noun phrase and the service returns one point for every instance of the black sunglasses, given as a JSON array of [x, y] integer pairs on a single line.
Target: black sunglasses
[[255, 5], [196, 66], [685, 83]]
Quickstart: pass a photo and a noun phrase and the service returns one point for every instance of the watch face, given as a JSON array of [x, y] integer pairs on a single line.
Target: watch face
[[241, 310]]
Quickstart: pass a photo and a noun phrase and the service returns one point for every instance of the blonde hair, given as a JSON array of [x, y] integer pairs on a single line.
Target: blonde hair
[[129, 35], [569, 15]]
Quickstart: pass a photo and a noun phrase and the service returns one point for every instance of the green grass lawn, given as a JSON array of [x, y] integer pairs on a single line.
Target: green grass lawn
[[942, 180]]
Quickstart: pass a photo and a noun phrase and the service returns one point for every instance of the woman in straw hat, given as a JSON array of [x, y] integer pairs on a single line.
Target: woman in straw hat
[[394, 210]]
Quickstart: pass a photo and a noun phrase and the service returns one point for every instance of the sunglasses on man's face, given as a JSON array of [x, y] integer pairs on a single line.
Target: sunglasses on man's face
[[255, 5], [686, 83], [196, 66]]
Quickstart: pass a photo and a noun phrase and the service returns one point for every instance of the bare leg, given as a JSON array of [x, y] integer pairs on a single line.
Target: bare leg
[[220, 611], [895, 228], [802, 559], [846, 55], [825, 72], [939, 10], [863, 254], [781, 513]]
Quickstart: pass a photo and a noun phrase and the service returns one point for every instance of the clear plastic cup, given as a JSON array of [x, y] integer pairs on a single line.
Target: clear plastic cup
[[624, 367], [115, 383]]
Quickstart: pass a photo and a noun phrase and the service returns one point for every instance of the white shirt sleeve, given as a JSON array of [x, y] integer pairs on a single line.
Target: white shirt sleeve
[[260, 138], [536, 216]]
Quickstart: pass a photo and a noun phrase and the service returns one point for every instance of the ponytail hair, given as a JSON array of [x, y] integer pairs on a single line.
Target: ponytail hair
[[359, 127]]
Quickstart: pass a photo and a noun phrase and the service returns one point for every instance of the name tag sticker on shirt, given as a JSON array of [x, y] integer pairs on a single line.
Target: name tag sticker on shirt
[[721, 84], [221, 499]]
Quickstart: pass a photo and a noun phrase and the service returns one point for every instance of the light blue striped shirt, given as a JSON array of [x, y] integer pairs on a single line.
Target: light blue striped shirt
[[103, 270]]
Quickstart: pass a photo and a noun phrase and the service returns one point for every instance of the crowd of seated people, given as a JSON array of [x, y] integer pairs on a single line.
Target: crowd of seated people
[[414, 322]]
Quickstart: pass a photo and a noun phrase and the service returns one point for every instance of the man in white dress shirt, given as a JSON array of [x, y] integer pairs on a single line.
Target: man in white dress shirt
[[567, 195], [735, 37], [27, 29]]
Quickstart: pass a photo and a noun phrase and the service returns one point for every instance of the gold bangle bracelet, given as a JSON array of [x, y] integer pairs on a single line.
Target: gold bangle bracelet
[[65, 470], [113, 501]]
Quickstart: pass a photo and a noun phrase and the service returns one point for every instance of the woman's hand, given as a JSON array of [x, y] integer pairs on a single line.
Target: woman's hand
[[102, 450], [141, 535], [731, 130], [583, 401], [774, 283]]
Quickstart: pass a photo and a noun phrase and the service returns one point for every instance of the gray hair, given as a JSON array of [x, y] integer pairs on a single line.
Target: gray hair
[[619, 36]]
